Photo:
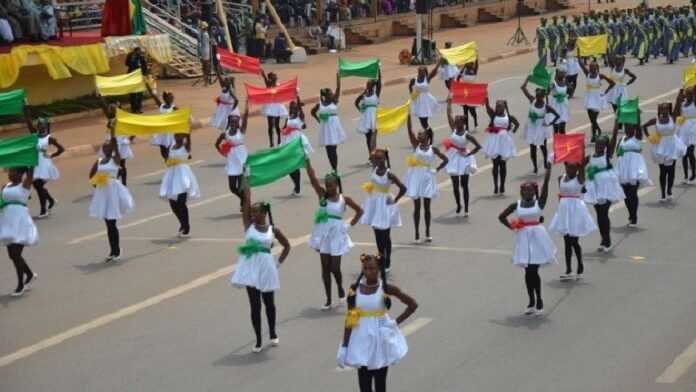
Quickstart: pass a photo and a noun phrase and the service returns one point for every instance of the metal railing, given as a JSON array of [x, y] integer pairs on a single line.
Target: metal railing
[[82, 14], [178, 39]]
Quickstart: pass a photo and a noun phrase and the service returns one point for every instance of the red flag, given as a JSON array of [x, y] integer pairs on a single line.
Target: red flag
[[239, 62], [464, 93], [569, 148], [284, 92]]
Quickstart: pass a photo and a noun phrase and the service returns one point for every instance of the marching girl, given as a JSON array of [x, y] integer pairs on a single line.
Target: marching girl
[[231, 145], [423, 104], [331, 132], [257, 269], [595, 100], [631, 168], [667, 147], [572, 67], [372, 340], [111, 200], [330, 235], [293, 130], [537, 129], [380, 209], [17, 229], [227, 103], [273, 111], [122, 142], [499, 146], [468, 74], [421, 178], [45, 170], [558, 101], [179, 184], [619, 74], [367, 103], [572, 219], [533, 245], [602, 186], [166, 105], [447, 71], [686, 118], [461, 162]]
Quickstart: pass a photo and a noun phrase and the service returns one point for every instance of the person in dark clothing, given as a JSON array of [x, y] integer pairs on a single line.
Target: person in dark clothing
[[135, 60], [280, 49]]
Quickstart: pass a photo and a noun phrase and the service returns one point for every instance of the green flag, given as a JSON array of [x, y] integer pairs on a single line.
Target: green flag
[[363, 69], [540, 76], [271, 164], [19, 151], [628, 112], [12, 102], [137, 19]]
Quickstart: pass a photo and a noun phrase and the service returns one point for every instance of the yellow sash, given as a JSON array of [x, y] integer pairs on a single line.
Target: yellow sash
[[354, 315], [173, 162], [412, 161], [654, 138], [100, 179], [370, 187]]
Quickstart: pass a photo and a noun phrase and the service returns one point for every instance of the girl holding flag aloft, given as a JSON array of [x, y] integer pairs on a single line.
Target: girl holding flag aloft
[[179, 184], [331, 132], [631, 168], [423, 104], [537, 129], [499, 146], [293, 130], [367, 103], [330, 235], [461, 162], [468, 74], [231, 145], [166, 105], [619, 74], [421, 177], [122, 142], [226, 103], [595, 100], [273, 111]]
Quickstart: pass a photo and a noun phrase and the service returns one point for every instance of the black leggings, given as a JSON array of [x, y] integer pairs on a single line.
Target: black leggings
[[366, 377], [123, 173], [464, 182], [428, 130], [631, 201], [499, 172], [114, 239], [533, 282], [533, 155], [593, 115], [24, 273], [667, 178], [572, 82], [44, 196], [371, 140], [416, 216], [689, 160], [273, 124], [604, 223], [573, 244], [181, 212], [332, 154], [384, 245], [331, 265], [235, 184], [255, 297], [469, 110], [295, 177], [559, 128]]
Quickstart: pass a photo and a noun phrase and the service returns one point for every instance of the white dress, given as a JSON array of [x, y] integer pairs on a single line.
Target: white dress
[[330, 235], [687, 130], [421, 181], [330, 130], [459, 162], [274, 110], [123, 145], [163, 139], [572, 64], [376, 211], [113, 200], [670, 148], [376, 342], [45, 170], [16, 225], [236, 158], [259, 270], [619, 90], [605, 186], [424, 105], [179, 178], [223, 110], [535, 132], [558, 100], [533, 245], [447, 72], [594, 98], [499, 142], [572, 216], [368, 113], [292, 131], [630, 165]]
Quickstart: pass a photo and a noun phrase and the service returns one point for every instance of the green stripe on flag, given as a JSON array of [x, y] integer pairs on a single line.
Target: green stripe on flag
[[12, 102], [19, 151]]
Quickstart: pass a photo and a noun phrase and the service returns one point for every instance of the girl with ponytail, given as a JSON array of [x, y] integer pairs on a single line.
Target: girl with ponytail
[[368, 305], [499, 146], [331, 133]]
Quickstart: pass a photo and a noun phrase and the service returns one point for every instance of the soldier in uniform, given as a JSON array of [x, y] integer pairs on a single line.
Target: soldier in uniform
[[542, 41], [552, 35]]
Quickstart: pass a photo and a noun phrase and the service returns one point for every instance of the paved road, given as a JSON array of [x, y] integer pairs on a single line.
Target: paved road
[[166, 318]]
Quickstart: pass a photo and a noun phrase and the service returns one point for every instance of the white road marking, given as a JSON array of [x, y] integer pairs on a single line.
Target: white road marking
[[158, 172], [679, 367], [442, 248]]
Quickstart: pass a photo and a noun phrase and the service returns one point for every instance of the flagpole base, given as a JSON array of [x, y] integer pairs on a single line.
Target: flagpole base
[[299, 55]]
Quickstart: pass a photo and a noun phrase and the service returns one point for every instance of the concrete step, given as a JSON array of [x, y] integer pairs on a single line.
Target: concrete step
[[486, 16], [452, 21], [401, 29]]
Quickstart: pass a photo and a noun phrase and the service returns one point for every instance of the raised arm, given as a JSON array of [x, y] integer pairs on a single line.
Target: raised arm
[[450, 119], [525, 90], [28, 120], [411, 304], [544, 194], [410, 85], [337, 92], [246, 202], [153, 94], [433, 72], [411, 137], [300, 111], [678, 102], [245, 118], [614, 139], [489, 109], [28, 178], [318, 189], [378, 87], [265, 78]]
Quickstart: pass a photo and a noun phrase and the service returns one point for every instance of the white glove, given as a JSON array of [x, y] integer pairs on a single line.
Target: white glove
[[341, 357]]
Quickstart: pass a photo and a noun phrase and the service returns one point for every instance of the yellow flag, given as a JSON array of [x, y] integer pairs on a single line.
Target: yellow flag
[[391, 119], [129, 124], [461, 54], [690, 76], [593, 45], [120, 84]]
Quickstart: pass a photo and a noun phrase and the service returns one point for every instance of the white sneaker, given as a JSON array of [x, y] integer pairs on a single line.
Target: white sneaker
[[429, 239], [18, 293], [182, 235], [295, 194], [684, 182], [116, 258], [539, 312], [275, 342], [326, 307], [257, 349], [566, 277], [42, 216], [579, 276], [27, 285], [663, 200], [669, 197], [466, 214], [108, 259], [529, 311], [600, 249]]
